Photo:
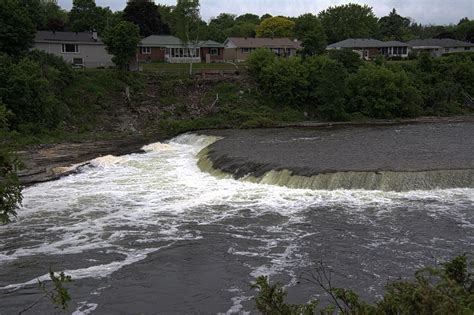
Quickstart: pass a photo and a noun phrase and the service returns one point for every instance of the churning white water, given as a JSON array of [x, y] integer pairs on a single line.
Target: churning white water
[[120, 211]]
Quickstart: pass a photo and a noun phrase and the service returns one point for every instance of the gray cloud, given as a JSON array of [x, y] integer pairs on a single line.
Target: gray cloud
[[423, 11]]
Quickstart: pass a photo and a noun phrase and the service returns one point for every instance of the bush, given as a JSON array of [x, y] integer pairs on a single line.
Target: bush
[[378, 92], [258, 60], [448, 289], [284, 82], [32, 88], [349, 59]]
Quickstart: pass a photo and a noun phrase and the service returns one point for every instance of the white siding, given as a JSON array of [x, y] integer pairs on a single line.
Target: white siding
[[93, 56]]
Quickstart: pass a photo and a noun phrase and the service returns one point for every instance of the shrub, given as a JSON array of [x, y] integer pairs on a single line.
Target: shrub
[[378, 92], [448, 289], [258, 60], [327, 87], [349, 59]]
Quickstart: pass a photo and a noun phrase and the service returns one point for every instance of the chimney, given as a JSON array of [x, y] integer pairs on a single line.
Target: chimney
[[94, 35]]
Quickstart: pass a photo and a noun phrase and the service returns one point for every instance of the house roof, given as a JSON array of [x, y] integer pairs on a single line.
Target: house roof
[[436, 42], [160, 41], [365, 43], [61, 37], [248, 42], [210, 43], [172, 41]]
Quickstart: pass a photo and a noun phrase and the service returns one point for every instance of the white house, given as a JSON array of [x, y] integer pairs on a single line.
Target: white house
[[81, 49]]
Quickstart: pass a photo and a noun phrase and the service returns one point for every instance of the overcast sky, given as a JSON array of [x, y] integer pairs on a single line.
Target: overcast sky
[[423, 11]]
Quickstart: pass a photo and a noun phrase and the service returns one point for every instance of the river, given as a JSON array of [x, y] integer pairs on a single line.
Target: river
[[150, 233]]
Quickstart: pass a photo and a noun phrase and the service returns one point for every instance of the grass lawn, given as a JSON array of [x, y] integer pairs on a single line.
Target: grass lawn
[[184, 67]]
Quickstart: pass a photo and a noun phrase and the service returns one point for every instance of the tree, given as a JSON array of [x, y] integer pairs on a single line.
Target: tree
[[327, 83], [55, 17], [85, 16], [146, 15], [275, 27], [34, 9], [348, 21], [248, 18], [17, 31], [188, 25], [122, 41], [309, 30], [394, 26], [465, 31]]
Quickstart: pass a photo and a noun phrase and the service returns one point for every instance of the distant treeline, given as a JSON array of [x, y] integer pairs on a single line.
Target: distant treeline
[[340, 86], [334, 24]]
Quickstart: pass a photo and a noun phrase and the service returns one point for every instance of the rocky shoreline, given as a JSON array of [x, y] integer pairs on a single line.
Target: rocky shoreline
[[54, 161]]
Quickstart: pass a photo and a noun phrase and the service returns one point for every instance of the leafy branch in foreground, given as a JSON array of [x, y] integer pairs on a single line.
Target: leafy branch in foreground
[[58, 295], [448, 289], [10, 188]]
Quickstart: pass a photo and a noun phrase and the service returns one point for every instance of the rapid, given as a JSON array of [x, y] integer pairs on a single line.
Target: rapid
[[151, 233]]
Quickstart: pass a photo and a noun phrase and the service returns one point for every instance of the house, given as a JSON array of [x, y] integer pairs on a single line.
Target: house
[[81, 49], [171, 49], [211, 51], [238, 49], [369, 48], [439, 47]]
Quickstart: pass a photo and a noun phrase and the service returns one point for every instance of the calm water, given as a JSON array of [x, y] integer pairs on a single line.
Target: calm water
[[150, 233]]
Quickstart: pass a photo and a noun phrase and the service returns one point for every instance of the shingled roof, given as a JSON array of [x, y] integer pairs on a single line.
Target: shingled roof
[[65, 37], [438, 42], [248, 42], [365, 43]]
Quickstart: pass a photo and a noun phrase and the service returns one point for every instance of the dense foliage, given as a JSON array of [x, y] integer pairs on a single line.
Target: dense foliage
[[31, 90], [448, 289], [10, 188], [340, 86], [274, 27], [16, 28], [146, 16], [122, 41], [348, 21]]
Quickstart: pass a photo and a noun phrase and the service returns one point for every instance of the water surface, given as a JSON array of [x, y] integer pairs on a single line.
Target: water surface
[[150, 233]]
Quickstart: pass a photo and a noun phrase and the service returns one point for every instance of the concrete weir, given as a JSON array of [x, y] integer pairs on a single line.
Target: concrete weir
[[390, 158]]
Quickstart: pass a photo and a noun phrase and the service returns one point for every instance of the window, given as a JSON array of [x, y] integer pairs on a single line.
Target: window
[[405, 50], [214, 51], [446, 50], [245, 50], [145, 50], [77, 62], [467, 48], [70, 48]]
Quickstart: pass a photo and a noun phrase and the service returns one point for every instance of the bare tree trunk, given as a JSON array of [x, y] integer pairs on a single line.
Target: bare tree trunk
[[191, 63]]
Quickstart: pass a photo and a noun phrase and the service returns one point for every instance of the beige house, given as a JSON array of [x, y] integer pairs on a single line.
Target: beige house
[[369, 48], [80, 49], [238, 49], [438, 47]]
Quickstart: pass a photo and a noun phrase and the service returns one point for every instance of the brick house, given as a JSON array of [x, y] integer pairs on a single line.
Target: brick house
[[171, 49], [238, 49]]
